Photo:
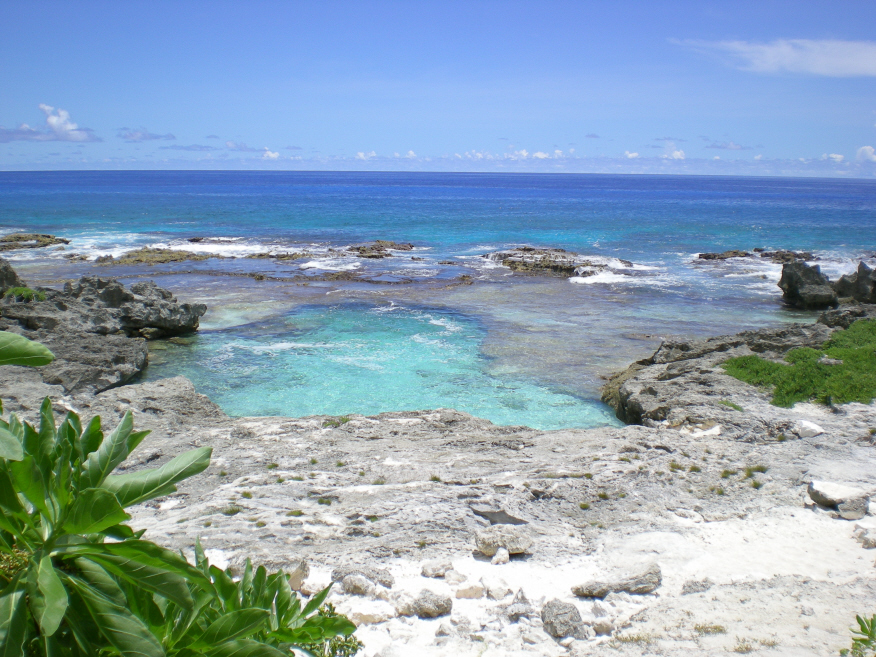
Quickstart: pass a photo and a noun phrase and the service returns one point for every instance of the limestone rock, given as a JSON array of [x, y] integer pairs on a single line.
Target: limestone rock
[[470, 591], [8, 277], [851, 503], [299, 572], [562, 619], [804, 286], [437, 568], [807, 429], [645, 582], [519, 608], [431, 605], [696, 586], [603, 627], [861, 286], [356, 584], [496, 588], [514, 539], [370, 612], [845, 316], [501, 557], [376, 575], [454, 577]]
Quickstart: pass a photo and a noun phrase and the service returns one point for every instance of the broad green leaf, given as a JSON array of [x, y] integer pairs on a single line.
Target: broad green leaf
[[91, 438], [233, 625], [143, 552], [47, 596], [124, 631], [112, 451], [98, 578], [315, 602], [226, 588], [13, 619], [18, 350], [136, 487], [48, 432], [84, 629], [158, 580], [28, 480], [10, 446], [94, 510], [9, 502], [245, 648]]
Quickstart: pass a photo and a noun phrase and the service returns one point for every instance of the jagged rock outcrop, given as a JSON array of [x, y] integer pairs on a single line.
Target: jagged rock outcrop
[[682, 383], [95, 328], [845, 316], [379, 249], [804, 286], [551, 262], [105, 306], [8, 277], [29, 241], [860, 286]]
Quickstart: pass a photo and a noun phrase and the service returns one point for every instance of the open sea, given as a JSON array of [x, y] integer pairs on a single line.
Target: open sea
[[331, 333]]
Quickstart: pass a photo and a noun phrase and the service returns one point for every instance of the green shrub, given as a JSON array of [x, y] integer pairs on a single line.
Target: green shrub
[[804, 378], [25, 294], [863, 638]]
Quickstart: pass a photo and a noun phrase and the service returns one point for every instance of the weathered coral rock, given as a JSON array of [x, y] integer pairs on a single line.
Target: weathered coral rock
[[8, 277], [851, 503], [562, 619], [861, 286], [29, 241], [804, 286], [377, 575], [645, 582], [514, 539]]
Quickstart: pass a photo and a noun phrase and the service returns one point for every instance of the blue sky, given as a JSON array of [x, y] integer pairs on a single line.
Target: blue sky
[[758, 88]]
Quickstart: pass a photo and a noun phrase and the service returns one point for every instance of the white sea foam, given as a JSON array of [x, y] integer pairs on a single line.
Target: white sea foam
[[332, 264], [602, 277]]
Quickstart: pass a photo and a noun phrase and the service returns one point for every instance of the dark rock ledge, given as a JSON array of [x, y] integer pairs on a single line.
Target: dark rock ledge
[[95, 327]]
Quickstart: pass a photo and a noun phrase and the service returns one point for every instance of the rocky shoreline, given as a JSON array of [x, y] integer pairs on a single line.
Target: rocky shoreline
[[714, 521]]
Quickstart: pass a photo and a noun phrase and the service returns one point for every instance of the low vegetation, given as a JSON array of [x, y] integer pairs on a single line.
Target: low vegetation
[[24, 294], [842, 371]]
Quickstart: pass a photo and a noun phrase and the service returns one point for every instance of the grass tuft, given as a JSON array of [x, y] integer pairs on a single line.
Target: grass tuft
[[231, 510], [704, 629], [730, 404]]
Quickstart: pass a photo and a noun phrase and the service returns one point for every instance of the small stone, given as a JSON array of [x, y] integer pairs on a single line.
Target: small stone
[[454, 577], [357, 585], [496, 588], [598, 610], [807, 429], [371, 613], [603, 627], [645, 582], [437, 568], [513, 538], [501, 557], [312, 587], [531, 638], [561, 619], [566, 642], [519, 609], [431, 605], [299, 573], [470, 591], [851, 503], [695, 586], [444, 630], [377, 575]]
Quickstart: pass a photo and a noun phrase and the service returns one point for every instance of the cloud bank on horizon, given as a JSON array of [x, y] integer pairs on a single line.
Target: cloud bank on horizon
[[752, 88]]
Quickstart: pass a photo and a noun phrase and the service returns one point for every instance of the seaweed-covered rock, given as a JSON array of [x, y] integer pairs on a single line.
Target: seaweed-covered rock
[[379, 249], [29, 241], [724, 256], [804, 286]]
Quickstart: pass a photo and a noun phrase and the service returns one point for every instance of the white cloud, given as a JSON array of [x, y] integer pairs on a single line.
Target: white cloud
[[411, 155], [522, 154], [836, 157], [729, 146], [631, 156], [717, 157], [828, 57], [867, 154], [758, 157], [365, 156], [541, 156], [269, 155], [674, 155], [59, 127], [240, 146], [142, 134]]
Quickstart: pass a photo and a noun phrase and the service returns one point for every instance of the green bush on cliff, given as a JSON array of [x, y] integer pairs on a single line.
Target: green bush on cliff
[[76, 581], [806, 377], [25, 294]]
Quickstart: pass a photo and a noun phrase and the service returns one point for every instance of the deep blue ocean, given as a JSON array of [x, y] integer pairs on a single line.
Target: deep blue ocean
[[401, 333]]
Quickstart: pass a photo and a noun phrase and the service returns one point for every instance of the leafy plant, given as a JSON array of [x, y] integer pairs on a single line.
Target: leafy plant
[[864, 637], [66, 590]]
